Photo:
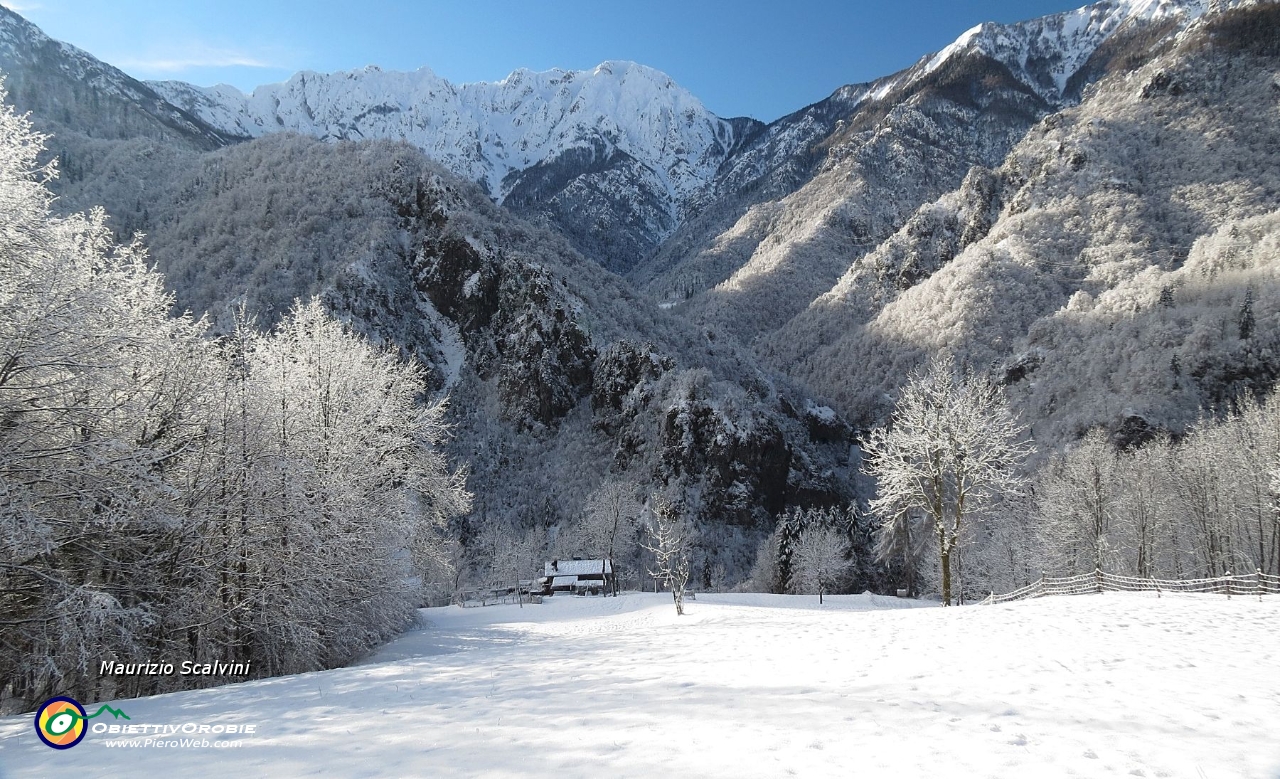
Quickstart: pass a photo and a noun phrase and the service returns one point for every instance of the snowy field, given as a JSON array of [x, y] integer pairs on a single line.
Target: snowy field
[[751, 686]]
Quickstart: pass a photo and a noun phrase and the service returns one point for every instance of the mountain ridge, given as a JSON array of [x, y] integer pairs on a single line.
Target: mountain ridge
[[740, 209], [555, 108], [619, 157], [618, 150], [57, 82]]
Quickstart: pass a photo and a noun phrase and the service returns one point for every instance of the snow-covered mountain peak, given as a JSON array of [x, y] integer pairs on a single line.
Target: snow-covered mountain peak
[[1046, 52], [488, 131]]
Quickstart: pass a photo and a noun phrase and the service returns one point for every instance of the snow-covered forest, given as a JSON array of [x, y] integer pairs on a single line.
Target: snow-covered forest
[[263, 497], [963, 506], [1101, 272]]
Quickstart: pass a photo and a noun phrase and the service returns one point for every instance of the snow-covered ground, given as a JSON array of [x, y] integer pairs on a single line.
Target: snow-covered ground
[[751, 685]]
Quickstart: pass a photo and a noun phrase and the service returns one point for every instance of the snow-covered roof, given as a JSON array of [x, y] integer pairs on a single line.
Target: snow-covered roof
[[575, 567]]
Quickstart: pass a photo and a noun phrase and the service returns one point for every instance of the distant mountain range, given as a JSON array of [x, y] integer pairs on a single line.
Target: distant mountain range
[[613, 155], [617, 158]]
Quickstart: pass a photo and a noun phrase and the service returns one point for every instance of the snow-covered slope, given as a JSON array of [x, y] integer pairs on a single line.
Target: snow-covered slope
[[742, 686], [835, 178], [67, 88], [1045, 53], [496, 133], [487, 131], [1083, 272]]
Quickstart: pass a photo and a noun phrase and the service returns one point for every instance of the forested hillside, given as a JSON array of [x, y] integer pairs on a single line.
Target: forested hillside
[[819, 188], [274, 499], [560, 376], [1117, 270]]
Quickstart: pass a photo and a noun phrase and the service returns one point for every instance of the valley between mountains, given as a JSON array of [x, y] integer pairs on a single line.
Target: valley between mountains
[[573, 287]]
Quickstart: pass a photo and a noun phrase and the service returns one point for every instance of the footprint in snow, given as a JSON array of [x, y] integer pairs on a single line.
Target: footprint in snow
[[1018, 740]]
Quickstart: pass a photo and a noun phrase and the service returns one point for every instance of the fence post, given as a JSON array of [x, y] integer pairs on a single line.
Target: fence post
[[1097, 575], [1042, 575], [1230, 584], [1257, 583]]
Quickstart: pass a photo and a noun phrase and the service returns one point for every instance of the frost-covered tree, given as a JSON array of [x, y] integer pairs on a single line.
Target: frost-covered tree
[[351, 483], [608, 516], [1201, 506], [1275, 485], [821, 560], [780, 567], [1275, 517], [1079, 496], [504, 555], [1006, 552], [764, 571], [951, 452], [790, 525], [1252, 446], [100, 404], [1143, 509], [670, 541], [1199, 493]]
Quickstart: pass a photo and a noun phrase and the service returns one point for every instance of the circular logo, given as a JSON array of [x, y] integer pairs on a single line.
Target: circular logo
[[60, 722]]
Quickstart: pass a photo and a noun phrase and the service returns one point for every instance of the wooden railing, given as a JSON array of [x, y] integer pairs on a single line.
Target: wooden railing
[[473, 598], [1249, 584]]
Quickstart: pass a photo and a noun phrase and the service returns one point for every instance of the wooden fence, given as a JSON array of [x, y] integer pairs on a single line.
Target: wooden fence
[[472, 599], [1249, 584]]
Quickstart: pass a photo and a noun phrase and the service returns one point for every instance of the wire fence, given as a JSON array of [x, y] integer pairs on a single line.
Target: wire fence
[[1254, 584]]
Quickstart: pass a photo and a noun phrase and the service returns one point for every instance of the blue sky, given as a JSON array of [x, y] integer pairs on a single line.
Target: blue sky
[[761, 59]]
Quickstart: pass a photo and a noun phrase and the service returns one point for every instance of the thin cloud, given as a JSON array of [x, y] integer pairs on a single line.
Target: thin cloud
[[195, 56], [19, 7]]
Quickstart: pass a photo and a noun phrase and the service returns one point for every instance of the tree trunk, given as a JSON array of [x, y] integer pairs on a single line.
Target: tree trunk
[[946, 575]]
